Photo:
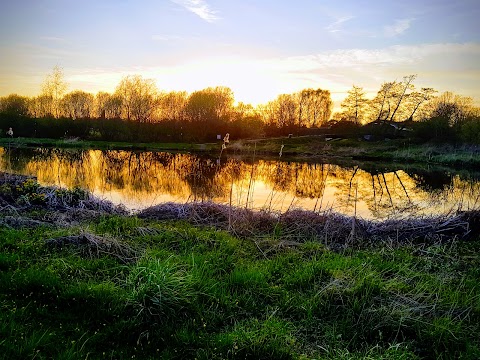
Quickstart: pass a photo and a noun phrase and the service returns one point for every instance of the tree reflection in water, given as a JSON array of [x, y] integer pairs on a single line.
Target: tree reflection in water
[[142, 178]]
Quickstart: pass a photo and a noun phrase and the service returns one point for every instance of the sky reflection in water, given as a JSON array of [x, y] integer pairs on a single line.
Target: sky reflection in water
[[142, 179]]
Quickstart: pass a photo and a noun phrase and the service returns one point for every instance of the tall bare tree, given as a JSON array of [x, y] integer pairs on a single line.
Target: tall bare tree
[[53, 88], [401, 94], [381, 104]]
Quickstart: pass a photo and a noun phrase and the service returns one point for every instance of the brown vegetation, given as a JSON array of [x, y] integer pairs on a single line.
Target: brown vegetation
[[334, 230]]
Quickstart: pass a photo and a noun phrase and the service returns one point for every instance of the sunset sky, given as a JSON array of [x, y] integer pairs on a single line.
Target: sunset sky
[[258, 48]]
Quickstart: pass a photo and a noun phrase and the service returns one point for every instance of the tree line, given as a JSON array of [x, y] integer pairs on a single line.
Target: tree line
[[138, 111], [444, 117]]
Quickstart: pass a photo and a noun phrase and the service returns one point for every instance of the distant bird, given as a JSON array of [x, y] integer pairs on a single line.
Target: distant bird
[[10, 132]]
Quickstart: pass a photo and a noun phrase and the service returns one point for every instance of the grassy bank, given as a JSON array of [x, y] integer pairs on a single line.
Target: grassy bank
[[104, 145], [394, 150], [81, 279], [305, 147]]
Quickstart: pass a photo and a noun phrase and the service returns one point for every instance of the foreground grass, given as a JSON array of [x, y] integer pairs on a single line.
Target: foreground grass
[[195, 292]]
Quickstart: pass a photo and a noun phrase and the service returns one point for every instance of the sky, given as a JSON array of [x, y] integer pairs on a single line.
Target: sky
[[259, 49]]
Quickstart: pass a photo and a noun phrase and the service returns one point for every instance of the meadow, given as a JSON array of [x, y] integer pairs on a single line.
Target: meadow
[[83, 279]]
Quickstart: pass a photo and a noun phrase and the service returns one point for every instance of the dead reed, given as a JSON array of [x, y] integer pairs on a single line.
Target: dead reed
[[20, 192], [335, 230]]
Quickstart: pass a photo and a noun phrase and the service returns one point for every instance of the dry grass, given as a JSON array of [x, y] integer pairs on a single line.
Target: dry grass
[[20, 193], [19, 222], [94, 246], [335, 230]]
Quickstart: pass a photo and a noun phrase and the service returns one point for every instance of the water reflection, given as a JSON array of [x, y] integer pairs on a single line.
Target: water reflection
[[140, 179]]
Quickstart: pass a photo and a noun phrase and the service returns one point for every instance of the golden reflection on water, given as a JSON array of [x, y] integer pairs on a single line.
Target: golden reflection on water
[[141, 179]]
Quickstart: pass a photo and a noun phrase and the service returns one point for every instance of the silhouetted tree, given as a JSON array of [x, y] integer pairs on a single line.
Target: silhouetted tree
[[14, 105], [416, 99], [314, 107], [455, 108], [40, 106], [381, 104], [108, 106], [401, 92]]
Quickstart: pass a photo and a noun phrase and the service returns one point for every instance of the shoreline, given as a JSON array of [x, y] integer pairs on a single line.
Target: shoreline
[[23, 194], [313, 148]]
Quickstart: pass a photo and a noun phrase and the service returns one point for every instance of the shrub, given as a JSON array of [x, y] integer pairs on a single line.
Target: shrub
[[470, 131]]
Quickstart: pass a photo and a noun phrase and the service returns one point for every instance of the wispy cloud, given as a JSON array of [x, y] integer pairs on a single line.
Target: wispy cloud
[[199, 8], [336, 26], [444, 66], [448, 57], [436, 65], [398, 28]]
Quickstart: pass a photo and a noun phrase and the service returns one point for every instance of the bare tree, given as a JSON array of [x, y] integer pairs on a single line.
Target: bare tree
[[285, 110], [53, 88], [40, 106], [210, 104], [416, 99], [381, 103], [314, 107], [172, 106], [139, 97], [100, 104], [355, 104], [78, 105], [455, 107], [406, 84], [108, 106]]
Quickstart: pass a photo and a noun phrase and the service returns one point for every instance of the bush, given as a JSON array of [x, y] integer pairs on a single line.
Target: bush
[[435, 129], [470, 131]]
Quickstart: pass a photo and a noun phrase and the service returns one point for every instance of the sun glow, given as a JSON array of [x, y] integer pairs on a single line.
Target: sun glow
[[257, 80], [252, 81]]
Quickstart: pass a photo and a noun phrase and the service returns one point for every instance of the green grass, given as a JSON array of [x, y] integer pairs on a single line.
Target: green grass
[[107, 145], [196, 292]]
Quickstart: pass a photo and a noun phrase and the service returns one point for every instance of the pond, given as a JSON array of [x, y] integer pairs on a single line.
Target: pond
[[140, 179]]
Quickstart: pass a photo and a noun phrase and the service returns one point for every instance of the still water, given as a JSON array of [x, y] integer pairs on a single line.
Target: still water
[[141, 179]]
